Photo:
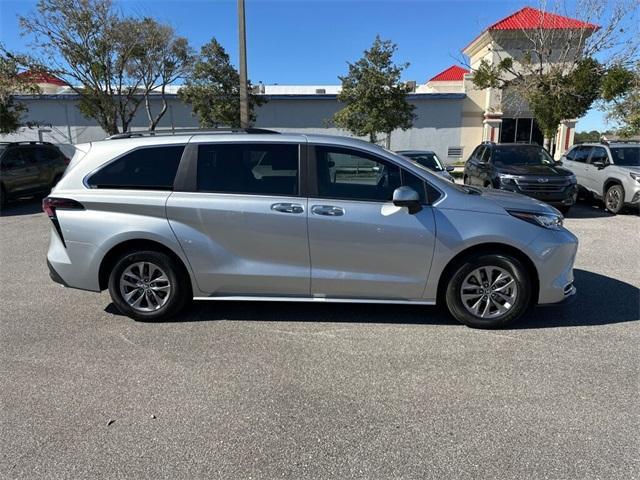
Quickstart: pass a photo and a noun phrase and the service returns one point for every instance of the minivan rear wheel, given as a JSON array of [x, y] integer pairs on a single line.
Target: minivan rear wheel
[[148, 286], [488, 291]]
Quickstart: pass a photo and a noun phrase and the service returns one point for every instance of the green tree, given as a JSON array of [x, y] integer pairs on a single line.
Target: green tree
[[112, 62], [375, 99], [213, 89], [165, 59], [621, 92], [591, 136], [13, 82]]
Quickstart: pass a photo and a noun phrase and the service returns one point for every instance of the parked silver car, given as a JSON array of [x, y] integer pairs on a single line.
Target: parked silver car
[[610, 171], [251, 215]]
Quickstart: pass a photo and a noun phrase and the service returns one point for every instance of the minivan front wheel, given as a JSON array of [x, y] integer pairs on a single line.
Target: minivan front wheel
[[488, 291], [147, 286]]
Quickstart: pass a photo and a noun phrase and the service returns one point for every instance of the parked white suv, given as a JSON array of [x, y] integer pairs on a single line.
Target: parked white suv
[[608, 171]]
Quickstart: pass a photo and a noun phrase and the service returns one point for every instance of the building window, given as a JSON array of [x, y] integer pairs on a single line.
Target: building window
[[524, 130]]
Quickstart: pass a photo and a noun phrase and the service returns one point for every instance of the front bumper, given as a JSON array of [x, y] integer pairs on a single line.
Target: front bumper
[[554, 253]]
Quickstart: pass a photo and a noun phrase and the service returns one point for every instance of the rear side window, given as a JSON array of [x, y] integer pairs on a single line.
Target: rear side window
[[152, 168], [581, 155], [599, 155], [252, 169]]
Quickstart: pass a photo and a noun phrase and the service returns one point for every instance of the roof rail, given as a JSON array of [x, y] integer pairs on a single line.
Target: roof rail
[[27, 142], [153, 133], [609, 142]]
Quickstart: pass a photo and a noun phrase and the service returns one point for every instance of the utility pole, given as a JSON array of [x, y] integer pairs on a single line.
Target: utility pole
[[244, 94]]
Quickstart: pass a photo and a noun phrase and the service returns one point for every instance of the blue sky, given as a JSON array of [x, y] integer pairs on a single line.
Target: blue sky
[[309, 42]]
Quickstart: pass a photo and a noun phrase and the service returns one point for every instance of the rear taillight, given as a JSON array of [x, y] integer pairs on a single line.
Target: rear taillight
[[51, 204]]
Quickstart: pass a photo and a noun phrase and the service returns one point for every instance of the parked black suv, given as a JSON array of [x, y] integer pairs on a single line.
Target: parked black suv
[[522, 168], [27, 168]]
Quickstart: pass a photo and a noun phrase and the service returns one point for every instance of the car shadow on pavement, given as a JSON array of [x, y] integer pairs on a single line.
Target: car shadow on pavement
[[600, 300], [27, 206], [590, 208]]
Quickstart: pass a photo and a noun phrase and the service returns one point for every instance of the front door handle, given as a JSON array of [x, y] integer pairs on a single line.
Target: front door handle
[[287, 207], [328, 210]]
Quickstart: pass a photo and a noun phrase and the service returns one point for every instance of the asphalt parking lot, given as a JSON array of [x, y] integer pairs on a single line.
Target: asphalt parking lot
[[275, 390]]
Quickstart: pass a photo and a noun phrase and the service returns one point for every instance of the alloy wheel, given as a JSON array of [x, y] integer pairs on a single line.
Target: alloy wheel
[[489, 292], [613, 199], [145, 286]]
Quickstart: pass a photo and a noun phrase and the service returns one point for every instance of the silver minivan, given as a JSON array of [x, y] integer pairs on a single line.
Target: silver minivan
[[257, 215]]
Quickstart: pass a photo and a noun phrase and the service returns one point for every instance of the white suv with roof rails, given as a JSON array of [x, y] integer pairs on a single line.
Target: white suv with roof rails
[[608, 171]]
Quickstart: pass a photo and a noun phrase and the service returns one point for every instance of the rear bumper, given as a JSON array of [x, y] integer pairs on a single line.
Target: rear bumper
[[54, 275]]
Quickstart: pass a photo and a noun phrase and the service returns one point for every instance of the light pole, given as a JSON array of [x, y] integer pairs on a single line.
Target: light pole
[[244, 94]]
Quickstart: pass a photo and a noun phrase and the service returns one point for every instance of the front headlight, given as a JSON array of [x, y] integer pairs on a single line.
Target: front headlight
[[545, 220], [506, 178], [635, 176]]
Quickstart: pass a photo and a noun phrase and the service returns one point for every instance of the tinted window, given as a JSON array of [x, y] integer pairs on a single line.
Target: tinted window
[[429, 160], [521, 155], [259, 169], [599, 154], [626, 156], [570, 155], [523, 132], [344, 173], [581, 155], [508, 130], [145, 168], [486, 155], [13, 159]]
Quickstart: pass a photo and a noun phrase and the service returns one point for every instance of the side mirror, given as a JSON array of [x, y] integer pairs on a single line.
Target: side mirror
[[449, 168], [558, 163], [599, 165], [407, 197]]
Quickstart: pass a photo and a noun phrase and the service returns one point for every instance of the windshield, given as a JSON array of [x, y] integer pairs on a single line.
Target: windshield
[[429, 160], [521, 155], [626, 156]]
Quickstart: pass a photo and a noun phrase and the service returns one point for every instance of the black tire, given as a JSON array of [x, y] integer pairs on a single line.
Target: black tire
[[465, 180], [512, 266], [179, 281], [564, 209], [614, 198], [3, 197]]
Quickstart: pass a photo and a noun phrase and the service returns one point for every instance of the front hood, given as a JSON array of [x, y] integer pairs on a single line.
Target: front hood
[[517, 202], [540, 170]]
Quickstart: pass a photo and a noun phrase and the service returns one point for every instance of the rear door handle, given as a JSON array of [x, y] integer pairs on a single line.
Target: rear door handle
[[327, 210], [287, 207]]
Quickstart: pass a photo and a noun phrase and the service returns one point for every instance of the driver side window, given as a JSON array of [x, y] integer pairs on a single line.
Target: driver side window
[[354, 175]]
